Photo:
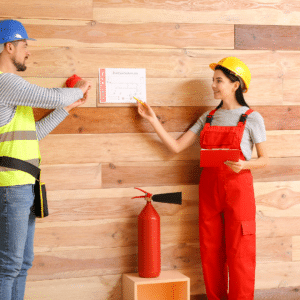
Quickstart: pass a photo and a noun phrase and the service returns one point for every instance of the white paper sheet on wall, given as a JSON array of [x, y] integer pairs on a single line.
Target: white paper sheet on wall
[[119, 85]]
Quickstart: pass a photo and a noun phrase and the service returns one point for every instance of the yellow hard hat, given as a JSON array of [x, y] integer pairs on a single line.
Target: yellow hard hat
[[237, 67]]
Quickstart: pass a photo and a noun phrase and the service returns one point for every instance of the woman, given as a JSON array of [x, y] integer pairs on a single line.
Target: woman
[[226, 196]]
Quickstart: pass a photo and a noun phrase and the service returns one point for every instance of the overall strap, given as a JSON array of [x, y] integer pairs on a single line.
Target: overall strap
[[209, 117], [243, 118]]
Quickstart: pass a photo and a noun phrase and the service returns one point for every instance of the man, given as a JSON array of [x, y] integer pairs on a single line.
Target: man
[[19, 136]]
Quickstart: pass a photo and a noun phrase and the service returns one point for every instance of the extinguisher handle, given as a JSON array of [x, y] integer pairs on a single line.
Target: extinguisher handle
[[147, 195], [141, 190]]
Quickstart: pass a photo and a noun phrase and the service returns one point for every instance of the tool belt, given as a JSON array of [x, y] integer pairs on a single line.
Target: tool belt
[[40, 206]]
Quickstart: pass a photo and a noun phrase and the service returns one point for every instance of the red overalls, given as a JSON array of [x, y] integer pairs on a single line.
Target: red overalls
[[227, 219]]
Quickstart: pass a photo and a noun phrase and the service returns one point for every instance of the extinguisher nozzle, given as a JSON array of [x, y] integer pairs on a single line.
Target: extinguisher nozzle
[[172, 198]]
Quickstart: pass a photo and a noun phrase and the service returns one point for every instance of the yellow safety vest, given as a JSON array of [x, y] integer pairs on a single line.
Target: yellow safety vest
[[18, 139]]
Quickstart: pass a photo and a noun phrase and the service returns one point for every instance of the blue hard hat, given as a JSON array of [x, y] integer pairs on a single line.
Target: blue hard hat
[[12, 30]]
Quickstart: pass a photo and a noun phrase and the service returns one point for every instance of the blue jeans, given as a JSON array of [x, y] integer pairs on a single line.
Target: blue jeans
[[17, 225]]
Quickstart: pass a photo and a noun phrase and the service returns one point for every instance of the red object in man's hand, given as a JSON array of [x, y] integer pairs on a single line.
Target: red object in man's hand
[[71, 81]]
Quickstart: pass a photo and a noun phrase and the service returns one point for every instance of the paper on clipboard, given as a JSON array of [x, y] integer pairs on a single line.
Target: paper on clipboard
[[217, 157]]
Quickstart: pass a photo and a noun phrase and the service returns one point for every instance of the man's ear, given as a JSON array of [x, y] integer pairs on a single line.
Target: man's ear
[[9, 47]]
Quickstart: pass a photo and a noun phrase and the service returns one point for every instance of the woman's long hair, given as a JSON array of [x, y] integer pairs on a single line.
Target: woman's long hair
[[239, 92]]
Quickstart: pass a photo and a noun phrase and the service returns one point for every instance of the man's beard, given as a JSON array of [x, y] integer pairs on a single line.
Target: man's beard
[[20, 67]]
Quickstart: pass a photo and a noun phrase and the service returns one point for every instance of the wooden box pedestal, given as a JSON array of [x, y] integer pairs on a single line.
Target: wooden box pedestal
[[170, 285]]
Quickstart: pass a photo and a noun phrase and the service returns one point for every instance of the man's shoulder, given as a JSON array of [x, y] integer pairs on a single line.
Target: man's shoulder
[[10, 75], [9, 79]]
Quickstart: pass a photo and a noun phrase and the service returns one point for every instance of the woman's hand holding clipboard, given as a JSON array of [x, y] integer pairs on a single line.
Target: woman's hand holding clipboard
[[217, 157], [236, 166]]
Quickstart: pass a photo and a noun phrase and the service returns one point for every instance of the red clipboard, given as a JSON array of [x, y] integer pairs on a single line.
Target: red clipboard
[[217, 157]]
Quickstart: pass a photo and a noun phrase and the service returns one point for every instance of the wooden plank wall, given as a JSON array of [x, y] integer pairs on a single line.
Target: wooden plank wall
[[92, 161]]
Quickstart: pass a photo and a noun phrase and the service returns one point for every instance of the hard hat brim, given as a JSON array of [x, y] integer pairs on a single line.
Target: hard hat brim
[[14, 40], [24, 39]]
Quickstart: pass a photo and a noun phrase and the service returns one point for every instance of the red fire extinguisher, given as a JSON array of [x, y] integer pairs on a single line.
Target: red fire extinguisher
[[149, 253]]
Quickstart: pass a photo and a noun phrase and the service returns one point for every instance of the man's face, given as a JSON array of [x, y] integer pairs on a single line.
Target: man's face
[[20, 55]]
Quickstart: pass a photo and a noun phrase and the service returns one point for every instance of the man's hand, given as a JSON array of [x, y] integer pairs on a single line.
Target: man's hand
[[84, 86], [77, 103]]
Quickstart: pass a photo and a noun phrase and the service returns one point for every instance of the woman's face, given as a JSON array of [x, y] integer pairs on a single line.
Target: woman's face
[[222, 87]]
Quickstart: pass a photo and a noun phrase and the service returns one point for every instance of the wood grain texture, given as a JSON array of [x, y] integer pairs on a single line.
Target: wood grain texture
[[282, 197], [112, 233], [150, 173], [93, 176], [84, 261], [68, 205], [123, 120], [111, 208], [174, 119], [275, 275], [198, 91], [109, 148], [260, 37], [287, 293], [296, 248], [160, 63], [285, 141], [280, 169], [108, 287], [274, 249], [56, 9], [87, 288], [290, 88], [189, 192], [112, 148], [281, 143], [110, 261], [221, 12], [269, 226], [289, 63], [273, 199], [68, 177], [152, 35], [193, 92], [116, 233], [122, 174]]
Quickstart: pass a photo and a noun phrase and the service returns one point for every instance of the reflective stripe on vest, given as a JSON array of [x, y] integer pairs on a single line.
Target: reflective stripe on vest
[[17, 135], [18, 139]]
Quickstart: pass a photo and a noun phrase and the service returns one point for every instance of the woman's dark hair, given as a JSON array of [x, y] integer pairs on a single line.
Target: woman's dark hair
[[233, 78]]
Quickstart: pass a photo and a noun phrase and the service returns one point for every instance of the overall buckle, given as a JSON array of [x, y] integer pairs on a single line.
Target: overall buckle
[[209, 119], [243, 118]]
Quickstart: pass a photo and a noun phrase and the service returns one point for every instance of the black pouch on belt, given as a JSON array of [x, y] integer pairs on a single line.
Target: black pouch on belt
[[40, 206]]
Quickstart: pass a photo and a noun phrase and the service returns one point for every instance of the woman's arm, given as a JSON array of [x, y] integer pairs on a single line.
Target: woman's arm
[[176, 146], [261, 162]]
